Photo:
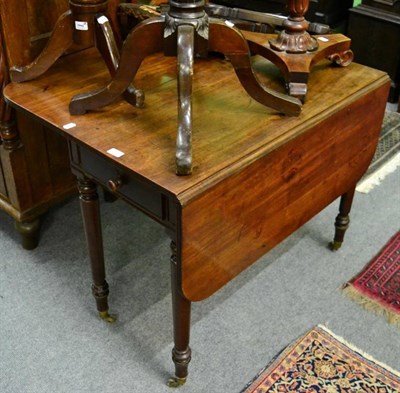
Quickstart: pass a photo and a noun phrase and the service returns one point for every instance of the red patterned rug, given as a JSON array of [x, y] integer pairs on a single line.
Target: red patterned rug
[[377, 286], [320, 362]]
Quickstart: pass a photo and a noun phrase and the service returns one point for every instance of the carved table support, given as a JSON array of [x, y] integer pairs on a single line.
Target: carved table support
[[84, 24], [184, 31], [89, 202], [185, 72], [342, 220], [295, 38], [295, 51]]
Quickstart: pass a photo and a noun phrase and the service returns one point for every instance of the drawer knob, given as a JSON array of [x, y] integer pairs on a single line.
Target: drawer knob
[[114, 184]]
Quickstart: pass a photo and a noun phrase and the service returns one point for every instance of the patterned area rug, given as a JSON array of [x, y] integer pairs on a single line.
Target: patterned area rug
[[387, 155], [320, 362], [377, 286]]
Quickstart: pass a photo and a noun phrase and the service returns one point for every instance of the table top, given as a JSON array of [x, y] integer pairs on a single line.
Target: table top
[[230, 129]]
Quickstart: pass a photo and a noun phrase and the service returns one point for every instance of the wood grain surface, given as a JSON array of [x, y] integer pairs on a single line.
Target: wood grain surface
[[230, 130], [243, 217], [258, 175]]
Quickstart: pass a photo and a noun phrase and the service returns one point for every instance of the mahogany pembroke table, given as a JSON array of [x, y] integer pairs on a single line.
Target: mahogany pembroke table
[[258, 175]]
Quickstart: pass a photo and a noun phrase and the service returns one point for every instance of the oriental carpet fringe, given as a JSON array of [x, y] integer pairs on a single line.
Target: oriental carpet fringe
[[377, 286], [321, 362]]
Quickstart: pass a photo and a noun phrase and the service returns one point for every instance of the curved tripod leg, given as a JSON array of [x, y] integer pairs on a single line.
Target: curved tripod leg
[[107, 46], [263, 50], [185, 56], [145, 39], [295, 67], [295, 73], [233, 45], [60, 40]]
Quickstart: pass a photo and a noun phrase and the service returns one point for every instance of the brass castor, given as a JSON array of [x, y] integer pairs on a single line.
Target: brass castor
[[335, 245], [176, 382], [105, 316]]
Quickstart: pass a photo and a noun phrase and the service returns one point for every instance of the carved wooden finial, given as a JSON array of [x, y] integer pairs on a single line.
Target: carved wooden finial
[[297, 8], [295, 38]]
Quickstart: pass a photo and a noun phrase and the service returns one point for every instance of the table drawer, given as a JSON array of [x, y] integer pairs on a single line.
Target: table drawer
[[136, 191]]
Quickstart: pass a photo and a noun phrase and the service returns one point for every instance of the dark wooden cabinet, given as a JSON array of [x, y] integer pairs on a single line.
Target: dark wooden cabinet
[[331, 12], [374, 28], [35, 171], [385, 5], [34, 164]]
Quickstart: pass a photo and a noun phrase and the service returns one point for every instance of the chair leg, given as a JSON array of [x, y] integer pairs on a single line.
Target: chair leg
[[342, 220], [89, 202], [181, 307]]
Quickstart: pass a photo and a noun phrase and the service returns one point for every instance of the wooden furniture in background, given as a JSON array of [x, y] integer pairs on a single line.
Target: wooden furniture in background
[[185, 31], [34, 165], [258, 175], [374, 28], [330, 12], [295, 51], [85, 24]]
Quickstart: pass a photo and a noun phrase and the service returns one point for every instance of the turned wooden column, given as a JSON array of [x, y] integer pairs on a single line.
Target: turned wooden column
[[29, 229], [10, 141], [186, 8], [8, 131], [342, 221], [181, 310], [90, 209], [295, 38], [83, 13]]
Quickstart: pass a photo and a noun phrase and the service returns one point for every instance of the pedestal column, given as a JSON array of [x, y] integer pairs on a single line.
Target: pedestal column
[[295, 38]]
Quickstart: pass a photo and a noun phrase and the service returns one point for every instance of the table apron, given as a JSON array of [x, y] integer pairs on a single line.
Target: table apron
[[139, 193]]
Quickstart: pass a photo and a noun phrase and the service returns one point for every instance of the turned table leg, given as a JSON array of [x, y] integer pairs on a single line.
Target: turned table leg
[[181, 353], [342, 220], [89, 202]]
